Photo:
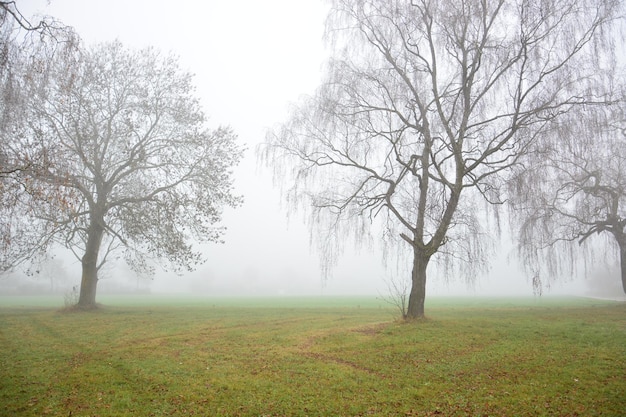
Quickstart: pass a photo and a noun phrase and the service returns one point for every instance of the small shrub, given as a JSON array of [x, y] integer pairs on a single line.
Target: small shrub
[[70, 298]]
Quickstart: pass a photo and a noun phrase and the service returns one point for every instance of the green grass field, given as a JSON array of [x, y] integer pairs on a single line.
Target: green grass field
[[147, 356]]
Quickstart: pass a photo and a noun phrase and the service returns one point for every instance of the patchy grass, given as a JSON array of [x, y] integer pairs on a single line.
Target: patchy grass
[[315, 357]]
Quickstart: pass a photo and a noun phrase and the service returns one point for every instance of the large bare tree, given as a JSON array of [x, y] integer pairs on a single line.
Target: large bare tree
[[122, 159], [425, 107]]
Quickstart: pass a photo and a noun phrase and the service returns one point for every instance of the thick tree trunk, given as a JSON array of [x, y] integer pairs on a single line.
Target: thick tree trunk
[[88, 284], [418, 286], [89, 280]]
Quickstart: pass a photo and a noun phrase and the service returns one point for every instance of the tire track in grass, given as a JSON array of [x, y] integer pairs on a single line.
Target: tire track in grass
[[367, 331]]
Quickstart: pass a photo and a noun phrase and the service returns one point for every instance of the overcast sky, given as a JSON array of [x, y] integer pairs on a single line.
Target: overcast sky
[[251, 59]]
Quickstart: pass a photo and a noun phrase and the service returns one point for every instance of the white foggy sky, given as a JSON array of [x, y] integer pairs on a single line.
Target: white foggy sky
[[251, 59]]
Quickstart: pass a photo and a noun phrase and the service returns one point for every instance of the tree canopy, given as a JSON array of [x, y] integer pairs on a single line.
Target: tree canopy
[[571, 190], [121, 160], [26, 50]]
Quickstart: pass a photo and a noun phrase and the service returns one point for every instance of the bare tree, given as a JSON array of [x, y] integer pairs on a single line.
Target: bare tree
[[27, 51], [571, 188], [122, 159], [425, 107]]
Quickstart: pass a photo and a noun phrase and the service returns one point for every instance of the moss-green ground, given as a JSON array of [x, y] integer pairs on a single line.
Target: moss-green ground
[[324, 356]]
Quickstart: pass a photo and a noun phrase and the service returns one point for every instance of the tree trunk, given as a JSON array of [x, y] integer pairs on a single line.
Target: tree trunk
[[622, 259], [418, 285], [89, 280], [88, 284]]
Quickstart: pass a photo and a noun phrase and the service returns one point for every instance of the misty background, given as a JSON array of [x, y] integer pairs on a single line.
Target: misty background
[[251, 60]]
